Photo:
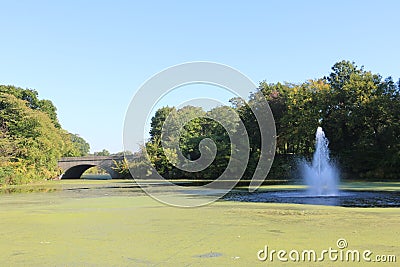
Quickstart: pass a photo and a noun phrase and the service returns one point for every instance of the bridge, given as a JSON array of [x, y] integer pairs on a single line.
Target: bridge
[[74, 167]]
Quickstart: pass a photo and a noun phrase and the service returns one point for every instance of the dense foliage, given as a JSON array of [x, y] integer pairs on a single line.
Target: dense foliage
[[31, 138], [358, 110], [104, 152]]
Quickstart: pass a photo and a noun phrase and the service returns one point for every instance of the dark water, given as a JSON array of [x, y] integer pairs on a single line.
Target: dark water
[[346, 198]]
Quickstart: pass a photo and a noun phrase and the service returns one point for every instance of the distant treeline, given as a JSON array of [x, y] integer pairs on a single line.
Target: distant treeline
[[31, 138], [358, 110]]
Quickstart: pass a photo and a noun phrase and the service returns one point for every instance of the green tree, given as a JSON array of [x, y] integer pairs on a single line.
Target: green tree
[[358, 110], [36, 143], [32, 101], [104, 152], [31, 139], [157, 122], [80, 144]]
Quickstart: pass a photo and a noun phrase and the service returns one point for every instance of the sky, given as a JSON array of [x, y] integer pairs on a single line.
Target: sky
[[90, 57]]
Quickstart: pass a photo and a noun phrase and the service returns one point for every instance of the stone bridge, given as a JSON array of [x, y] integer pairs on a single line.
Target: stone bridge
[[74, 167]]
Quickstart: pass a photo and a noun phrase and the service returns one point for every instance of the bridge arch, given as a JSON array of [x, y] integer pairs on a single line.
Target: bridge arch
[[74, 167], [77, 171]]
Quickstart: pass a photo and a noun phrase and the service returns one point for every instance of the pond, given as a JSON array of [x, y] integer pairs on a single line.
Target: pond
[[345, 198]]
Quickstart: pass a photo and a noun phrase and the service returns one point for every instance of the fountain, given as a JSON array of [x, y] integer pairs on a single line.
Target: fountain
[[321, 175]]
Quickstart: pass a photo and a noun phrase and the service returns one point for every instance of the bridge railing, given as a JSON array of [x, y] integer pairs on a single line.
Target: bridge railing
[[91, 158]]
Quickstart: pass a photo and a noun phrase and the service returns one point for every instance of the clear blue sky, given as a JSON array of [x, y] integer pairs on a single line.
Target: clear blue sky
[[89, 57]]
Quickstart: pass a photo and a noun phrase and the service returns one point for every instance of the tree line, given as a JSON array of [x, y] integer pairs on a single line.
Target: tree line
[[358, 110], [31, 137]]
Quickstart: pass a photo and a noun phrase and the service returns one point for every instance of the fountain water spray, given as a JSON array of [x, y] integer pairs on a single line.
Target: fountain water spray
[[321, 175]]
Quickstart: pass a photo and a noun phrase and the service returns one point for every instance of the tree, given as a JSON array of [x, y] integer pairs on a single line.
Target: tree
[[31, 139], [32, 101], [157, 122], [104, 152], [358, 110], [80, 145], [48, 107], [36, 144]]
